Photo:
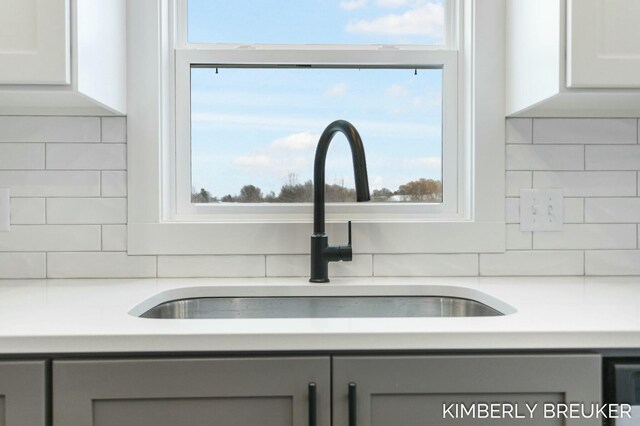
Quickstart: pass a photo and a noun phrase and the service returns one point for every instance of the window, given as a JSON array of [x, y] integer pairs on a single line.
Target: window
[[467, 58], [253, 95]]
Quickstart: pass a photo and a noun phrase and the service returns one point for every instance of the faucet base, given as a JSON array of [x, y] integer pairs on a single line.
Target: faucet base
[[319, 263]]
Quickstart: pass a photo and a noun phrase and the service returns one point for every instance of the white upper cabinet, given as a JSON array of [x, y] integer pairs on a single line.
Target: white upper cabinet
[[573, 58], [62, 57], [603, 46], [34, 41]]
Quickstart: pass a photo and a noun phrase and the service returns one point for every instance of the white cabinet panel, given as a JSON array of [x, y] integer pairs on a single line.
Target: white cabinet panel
[[603, 46], [34, 42]]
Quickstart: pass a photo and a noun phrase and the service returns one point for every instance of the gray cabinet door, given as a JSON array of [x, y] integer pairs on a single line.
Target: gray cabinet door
[[416, 391], [22, 393], [194, 392]]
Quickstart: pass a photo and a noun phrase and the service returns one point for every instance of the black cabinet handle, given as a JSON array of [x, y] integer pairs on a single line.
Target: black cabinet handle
[[312, 405], [352, 405]]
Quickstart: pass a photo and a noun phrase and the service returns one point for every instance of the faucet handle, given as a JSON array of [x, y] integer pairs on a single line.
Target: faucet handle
[[346, 253]]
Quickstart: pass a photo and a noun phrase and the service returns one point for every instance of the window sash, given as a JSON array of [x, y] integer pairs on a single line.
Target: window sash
[[456, 193], [184, 210]]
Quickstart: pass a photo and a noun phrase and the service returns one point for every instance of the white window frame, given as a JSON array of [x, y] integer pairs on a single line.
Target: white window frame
[[444, 57], [161, 223]]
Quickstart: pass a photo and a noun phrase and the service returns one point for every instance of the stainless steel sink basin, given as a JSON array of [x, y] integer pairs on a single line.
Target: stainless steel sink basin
[[320, 307]]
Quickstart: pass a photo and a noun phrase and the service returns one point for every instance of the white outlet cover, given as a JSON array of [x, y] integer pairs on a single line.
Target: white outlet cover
[[5, 209], [541, 209]]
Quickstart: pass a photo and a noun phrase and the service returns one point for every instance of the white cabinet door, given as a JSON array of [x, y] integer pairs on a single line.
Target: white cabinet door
[[603, 43], [34, 42]]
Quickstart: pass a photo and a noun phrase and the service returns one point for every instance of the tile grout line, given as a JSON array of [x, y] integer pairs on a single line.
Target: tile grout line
[[373, 259]]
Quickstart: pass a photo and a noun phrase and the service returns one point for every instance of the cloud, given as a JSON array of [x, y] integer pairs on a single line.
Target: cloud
[[397, 90], [423, 20], [336, 90], [296, 142], [253, 160], [282, 156], [392, 3], [259, 120], [353, 4]]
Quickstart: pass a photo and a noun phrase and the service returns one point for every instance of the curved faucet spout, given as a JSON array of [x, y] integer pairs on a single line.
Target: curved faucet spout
[[359, 168], [321, 252]]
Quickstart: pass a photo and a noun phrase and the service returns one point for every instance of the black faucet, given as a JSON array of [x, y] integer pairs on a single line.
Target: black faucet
[[321, 252]]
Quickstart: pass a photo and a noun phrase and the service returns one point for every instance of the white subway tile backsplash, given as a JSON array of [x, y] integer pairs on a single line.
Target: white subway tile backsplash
[[585, 130], [100, 265], [51, 238], [211, 266], [49, 129], [86, 235], [114, 238], [574, 210], [298, 266], [5, 209], [28, 211], [588, 184], [613, 157], [512, 210], [86, 210], [23, 265], [545, 157], [612, 210], [67, 156], [417, 265], [517, 239], [21, 156], [612, 262], [51, 183], [515, 181], [519, 130], [587, 236], [114, 183], [534, 263], [114, 129]]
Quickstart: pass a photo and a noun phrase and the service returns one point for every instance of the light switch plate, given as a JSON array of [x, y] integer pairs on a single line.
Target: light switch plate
[[541, 209], [5, 209]]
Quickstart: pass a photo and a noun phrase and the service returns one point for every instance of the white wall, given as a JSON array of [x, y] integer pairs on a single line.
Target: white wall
[[68, 185]]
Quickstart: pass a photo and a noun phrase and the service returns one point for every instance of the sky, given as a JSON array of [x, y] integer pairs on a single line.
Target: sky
[[259, 126]]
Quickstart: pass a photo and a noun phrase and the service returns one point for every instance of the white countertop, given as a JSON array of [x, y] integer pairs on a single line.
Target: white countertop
[[92, 316]]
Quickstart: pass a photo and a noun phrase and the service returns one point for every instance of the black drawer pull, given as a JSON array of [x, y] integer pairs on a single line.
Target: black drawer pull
[[312, 405], [352, 405]]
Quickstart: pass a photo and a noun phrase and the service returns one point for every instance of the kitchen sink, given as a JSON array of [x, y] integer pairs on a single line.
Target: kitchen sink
[[383, 306]]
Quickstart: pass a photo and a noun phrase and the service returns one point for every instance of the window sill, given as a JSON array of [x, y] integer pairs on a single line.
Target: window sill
[[293, 238]]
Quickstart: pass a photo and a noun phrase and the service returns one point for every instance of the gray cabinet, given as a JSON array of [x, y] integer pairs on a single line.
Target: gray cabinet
[[194, 392], [22, 393], [412, 391], [389, 390]]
